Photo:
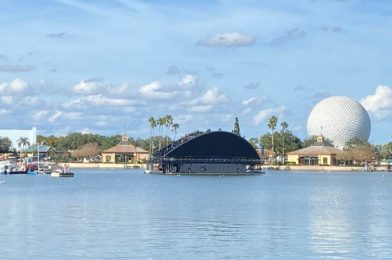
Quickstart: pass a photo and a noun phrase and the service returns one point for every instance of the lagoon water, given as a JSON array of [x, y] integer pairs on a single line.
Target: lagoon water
[[124, 214]]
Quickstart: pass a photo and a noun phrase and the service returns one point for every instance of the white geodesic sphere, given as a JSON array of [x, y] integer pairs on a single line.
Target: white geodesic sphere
[[339, 119]]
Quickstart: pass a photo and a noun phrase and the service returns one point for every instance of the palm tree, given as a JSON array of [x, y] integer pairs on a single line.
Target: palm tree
[[23, 142], [168, 123], [272, 125], [175, 126], [153, 124], [161, 123], [284, 126]]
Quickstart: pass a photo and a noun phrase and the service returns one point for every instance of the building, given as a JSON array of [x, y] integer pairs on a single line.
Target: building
[[211, 152], [317, 154], [124, 152], [44, 151], [15, 134]]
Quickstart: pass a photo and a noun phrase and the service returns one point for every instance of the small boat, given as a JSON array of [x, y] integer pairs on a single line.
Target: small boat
[[62, 174], [147, 171]]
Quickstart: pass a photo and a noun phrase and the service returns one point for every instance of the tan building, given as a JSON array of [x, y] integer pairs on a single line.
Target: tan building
[[317, 154], [124, 152], [314, 155]]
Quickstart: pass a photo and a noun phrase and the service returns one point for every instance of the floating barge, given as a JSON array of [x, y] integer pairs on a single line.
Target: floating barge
[[207, 153]]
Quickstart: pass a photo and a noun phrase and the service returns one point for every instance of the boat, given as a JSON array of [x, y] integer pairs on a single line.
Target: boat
[[207, 153], [62, 174], [5, 166]]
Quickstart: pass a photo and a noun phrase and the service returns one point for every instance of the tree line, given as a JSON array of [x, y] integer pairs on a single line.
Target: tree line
[[284, 141], [163, 131]]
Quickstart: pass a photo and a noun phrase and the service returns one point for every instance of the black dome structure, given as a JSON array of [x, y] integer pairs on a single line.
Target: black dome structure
[[211, 150]]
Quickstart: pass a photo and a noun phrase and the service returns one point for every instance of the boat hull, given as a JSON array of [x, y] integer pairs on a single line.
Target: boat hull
[[62, 174], [17, 172]]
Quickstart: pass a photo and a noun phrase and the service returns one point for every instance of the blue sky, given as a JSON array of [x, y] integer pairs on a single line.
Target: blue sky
[[106, 66]]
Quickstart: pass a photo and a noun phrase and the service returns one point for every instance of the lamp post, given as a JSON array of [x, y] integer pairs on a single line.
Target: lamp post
[[38, 157]]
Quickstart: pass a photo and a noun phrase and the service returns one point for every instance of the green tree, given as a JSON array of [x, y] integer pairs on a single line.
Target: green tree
[[355, 142], [108, 142], [5, 144], [22, 143], [272, 125], [236, 129], [168, 124], [312, 140], [254, 142], [161, 123], [388, 149], [284, 126], [292, 142], [153, 124], [175, 126]]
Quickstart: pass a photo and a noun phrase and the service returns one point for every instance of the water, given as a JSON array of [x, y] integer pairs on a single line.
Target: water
[[124, 214]]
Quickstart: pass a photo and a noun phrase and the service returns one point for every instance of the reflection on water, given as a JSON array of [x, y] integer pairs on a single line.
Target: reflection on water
[[125, 214]]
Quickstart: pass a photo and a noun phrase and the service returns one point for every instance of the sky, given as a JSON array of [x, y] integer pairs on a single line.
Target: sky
[[105, 67]]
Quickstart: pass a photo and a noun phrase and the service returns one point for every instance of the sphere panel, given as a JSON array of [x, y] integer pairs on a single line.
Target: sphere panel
[[339, 119]]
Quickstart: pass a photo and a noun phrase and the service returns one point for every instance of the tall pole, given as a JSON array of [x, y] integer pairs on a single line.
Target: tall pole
[[37, 157], [283, 146]]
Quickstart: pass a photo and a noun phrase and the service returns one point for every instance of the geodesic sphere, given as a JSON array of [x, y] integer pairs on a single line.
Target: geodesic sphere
[[339, 119]]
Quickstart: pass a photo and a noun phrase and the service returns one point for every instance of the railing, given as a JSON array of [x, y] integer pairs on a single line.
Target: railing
[[177, 143], [222, 160]]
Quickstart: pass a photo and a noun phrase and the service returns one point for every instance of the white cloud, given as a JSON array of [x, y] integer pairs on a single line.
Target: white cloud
[[189, 80], [16, 86], [380, 103], [102, 123], [40, 115], [202, 109], [4, 111], [154, 90], [229, 39], [72, 115], [213, 97], [122, 89], [246, 111], [249, 101], [7, 100], [75, 103], [55, 116], [183, 119], [88, 87], [263, 114], [207, 101], [99, 100]]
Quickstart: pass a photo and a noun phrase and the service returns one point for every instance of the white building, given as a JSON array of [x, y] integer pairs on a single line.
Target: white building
[[15, 134]]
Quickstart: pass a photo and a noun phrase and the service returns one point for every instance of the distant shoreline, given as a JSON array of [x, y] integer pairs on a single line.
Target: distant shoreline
[[104, 165], [326, 168], [318, 168]]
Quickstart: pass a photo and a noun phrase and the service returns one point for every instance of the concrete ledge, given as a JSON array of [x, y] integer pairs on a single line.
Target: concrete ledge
[[325, 168], [103, 165]]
